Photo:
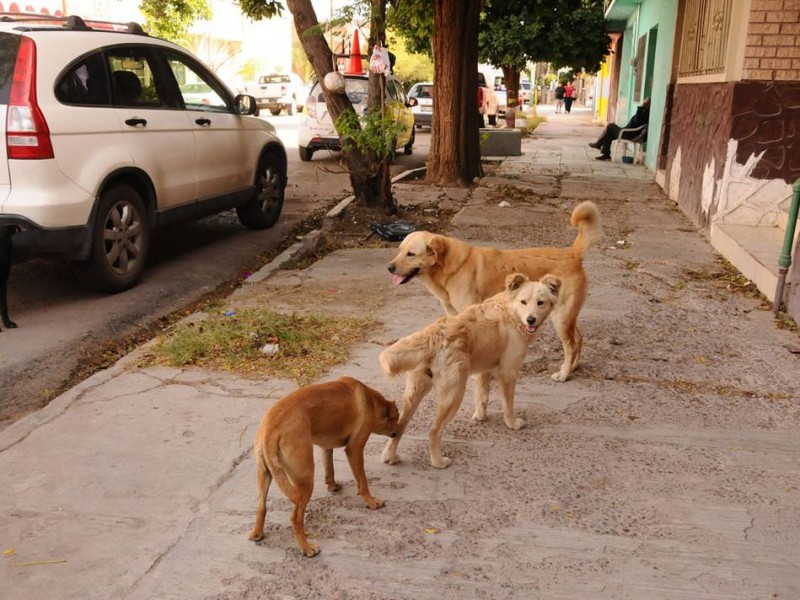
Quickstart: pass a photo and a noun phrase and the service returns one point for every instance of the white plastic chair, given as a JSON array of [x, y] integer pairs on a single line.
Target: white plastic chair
[[622, 143]]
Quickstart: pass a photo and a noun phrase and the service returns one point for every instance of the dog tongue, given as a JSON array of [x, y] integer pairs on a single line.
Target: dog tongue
[[397, 279]]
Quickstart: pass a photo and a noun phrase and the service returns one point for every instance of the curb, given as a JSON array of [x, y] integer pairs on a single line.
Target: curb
[[311, 241]]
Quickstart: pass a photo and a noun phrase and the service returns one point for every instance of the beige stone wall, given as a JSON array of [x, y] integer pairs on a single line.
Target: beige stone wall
[[772, 49]]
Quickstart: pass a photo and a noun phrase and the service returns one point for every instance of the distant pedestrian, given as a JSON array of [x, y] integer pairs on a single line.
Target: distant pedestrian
[[559, 92], [569, 96]]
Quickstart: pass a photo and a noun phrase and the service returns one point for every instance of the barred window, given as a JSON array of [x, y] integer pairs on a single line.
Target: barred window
[[704, 46]]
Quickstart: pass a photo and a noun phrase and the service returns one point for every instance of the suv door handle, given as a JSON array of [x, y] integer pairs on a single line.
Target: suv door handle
[[203, 121], [136, 121]]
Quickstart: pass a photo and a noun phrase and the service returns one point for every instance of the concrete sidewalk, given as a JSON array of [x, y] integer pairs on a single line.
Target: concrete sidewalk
[[668, 467]]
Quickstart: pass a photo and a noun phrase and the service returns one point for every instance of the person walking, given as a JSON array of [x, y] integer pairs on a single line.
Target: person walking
[[569, 96], [559, 93]]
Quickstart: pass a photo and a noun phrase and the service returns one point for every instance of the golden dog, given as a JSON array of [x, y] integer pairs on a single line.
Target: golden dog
[[493, 335], [460, 275], [339, 413]]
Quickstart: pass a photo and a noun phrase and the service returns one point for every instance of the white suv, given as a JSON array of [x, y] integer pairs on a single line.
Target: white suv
[[106, 139], [317, 131]]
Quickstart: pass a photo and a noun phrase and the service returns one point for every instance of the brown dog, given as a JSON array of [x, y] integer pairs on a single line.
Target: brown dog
[[339, 413], [460, 275], [491, 336]]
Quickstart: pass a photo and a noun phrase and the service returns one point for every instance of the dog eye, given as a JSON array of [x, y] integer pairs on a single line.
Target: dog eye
[[410, 254], [540, 303], [524, 302]]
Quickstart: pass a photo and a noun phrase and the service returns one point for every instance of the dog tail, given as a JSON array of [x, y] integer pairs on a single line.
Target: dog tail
[[586, 217], [412, 351]]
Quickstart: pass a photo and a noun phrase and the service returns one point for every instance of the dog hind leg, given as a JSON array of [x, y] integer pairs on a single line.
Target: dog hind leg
[[418, 384], [572, 341], [297, 484], [449, 394], [482, 381], [264, 481]]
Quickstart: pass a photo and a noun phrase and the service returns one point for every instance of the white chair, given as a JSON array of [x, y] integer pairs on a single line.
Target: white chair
[[635, 141]]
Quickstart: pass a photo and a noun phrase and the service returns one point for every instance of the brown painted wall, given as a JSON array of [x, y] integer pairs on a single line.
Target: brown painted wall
[[700, 125], [766, 118]]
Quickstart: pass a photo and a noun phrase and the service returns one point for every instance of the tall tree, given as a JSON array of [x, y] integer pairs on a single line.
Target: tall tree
[[367, 163], [455, 152], [171, 19]]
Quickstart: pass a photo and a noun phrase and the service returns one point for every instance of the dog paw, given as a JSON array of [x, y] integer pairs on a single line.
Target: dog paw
[[390, 457], [516, 424], [335, 487], [256, 536], [559, 376], [310, 551], [479, 415], [374, 503], [442, 463]]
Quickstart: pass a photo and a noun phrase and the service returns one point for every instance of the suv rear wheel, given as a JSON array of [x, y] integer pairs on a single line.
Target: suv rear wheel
[[120, 241], [305, 153], [264, 209]]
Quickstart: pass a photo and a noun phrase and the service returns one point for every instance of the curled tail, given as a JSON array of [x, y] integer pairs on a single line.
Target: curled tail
[[412, 351], [586, 217]]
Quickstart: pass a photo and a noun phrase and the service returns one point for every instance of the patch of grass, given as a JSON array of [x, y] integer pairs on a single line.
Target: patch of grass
[[784, 321], [308, 345]]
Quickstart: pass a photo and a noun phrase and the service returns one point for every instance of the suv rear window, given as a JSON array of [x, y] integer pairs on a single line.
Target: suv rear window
[[8, 57], [86, 82]]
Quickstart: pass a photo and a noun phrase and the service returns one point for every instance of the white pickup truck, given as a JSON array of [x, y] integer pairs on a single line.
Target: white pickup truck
[[279, 91]]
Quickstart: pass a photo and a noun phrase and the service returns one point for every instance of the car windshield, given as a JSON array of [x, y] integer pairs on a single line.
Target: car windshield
[[273, 79], [8, 58], [424, 91], [357, 91]]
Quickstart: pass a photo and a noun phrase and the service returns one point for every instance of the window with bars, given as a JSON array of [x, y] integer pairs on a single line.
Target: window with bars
[[706, 28]]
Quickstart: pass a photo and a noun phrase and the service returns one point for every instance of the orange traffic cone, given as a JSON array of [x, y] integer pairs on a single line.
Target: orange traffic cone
[[354, 64]]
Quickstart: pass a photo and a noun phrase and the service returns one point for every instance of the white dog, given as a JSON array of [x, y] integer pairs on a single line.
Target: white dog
[[493, 335]]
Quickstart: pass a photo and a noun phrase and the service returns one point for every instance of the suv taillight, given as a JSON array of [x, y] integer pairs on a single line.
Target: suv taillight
[[311, 107], [27, 134], [283, 90]]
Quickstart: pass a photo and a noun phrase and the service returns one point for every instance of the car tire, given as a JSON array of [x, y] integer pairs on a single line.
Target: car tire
[[263, 210], [409, 147], [492, 120], [275, 111], [305, 153], [120, 242], [291, 108]]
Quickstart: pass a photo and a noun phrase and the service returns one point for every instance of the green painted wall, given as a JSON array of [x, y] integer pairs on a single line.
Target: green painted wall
[[651, 13]]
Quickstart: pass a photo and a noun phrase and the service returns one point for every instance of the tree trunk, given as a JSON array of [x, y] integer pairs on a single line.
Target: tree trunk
[[369, 179], [377, 86], [455, 152], [511, 77]]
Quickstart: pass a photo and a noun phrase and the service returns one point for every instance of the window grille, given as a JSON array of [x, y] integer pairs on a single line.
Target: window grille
[[704, 47]]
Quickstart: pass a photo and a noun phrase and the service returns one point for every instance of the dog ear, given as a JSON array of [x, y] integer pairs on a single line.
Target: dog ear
[[552, 282], [515, 281], [436, 247]]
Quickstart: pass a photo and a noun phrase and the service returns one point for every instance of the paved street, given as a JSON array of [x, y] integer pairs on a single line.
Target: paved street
[[667, 468]]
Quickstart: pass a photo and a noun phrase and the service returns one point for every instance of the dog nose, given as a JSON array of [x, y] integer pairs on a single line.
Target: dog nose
[[531, 320], [391, 268]]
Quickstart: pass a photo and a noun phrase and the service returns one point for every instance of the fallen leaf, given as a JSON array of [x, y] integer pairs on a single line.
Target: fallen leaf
[[9, 552], [39, 562], [431, 530]]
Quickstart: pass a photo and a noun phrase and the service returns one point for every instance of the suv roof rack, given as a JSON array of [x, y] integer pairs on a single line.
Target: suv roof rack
[[73, 22]]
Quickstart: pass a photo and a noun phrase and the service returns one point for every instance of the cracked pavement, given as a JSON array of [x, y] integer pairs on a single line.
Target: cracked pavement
[[667, 468]]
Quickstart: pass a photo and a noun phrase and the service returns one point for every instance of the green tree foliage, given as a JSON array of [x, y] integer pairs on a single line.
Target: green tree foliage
[[171, 19], [413, 21], [409, 67], [261, 9]]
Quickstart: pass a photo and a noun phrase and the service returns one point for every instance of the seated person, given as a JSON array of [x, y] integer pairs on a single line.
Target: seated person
[[611, 132]]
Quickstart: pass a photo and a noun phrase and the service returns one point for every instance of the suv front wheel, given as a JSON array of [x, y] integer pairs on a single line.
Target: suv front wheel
[[120, 241], [264, 209]]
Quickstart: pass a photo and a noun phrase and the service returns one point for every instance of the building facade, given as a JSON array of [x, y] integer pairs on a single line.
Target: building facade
[[725, 88]]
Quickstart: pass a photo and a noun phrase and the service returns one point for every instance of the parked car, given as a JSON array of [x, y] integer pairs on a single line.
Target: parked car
[[317, 131], [199, 93], [420, 99], [103, 144], [502, 100], [279, 92], [487, 100]]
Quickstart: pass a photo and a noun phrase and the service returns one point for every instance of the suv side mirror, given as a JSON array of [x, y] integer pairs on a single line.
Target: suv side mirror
[[246, 104]]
